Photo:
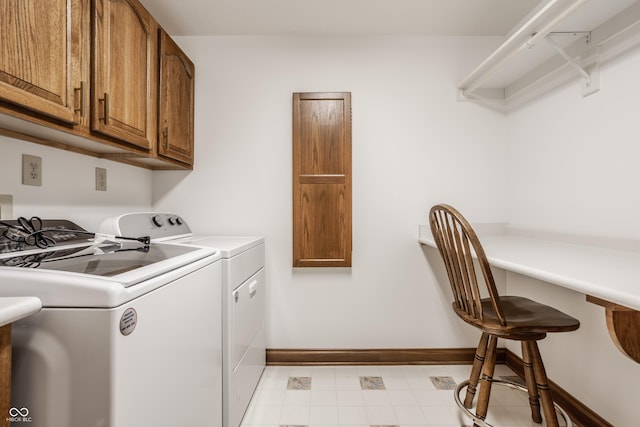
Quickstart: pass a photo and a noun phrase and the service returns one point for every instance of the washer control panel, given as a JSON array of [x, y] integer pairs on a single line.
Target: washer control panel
[[157, 225]]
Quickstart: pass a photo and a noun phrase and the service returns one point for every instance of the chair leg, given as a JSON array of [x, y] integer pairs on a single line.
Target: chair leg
[[476, 369], [542, 384], [487, 376], [534, 400]]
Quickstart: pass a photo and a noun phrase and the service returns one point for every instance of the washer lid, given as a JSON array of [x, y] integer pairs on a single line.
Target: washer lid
[[90, 279], [105, 259], [124, 262], [62, 246]]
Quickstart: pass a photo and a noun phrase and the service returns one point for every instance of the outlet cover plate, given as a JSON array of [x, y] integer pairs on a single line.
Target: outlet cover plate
[[101, 179], [31, 170], [6, 206]]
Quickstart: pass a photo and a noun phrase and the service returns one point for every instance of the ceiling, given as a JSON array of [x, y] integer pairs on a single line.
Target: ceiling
[[339, 17]]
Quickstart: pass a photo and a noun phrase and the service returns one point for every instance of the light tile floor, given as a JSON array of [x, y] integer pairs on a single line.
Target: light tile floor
[[360, 396]]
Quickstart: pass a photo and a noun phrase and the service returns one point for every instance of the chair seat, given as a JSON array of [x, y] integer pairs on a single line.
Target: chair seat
[[526, 319]]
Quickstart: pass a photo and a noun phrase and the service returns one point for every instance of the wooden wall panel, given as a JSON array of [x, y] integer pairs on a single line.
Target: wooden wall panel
[[322, 179]]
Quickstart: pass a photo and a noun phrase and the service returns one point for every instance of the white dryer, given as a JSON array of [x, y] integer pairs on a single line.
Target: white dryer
[[243, 300]]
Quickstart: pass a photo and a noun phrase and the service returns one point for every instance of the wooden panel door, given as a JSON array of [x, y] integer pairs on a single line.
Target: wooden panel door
[[322, 179], [40, 55], [124, 72], [177, 83]]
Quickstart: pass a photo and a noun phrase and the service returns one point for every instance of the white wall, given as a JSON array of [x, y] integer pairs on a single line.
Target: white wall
[[574, 161], [68, 185], [413, 146], [574, 169]]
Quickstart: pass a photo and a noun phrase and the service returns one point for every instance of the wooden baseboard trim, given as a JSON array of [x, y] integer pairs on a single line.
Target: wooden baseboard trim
[[411, 356], [581, 414]]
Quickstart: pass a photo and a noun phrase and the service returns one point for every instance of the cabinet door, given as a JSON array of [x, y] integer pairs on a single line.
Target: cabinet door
[[39, 55], [175, 122], [322, 179], [124, 72]]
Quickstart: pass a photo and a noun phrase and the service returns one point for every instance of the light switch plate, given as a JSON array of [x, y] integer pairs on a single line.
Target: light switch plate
[[31, 170], [101, 179]]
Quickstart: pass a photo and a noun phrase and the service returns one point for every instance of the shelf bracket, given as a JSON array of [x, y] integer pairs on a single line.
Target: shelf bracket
[[623, 324], [590, 79]]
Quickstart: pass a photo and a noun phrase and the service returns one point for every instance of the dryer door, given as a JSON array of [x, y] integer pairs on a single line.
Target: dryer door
[[247, 313]]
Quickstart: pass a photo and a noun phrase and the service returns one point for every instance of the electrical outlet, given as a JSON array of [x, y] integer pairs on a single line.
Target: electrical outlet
[[6, 206], [101, 179], [31, 170]]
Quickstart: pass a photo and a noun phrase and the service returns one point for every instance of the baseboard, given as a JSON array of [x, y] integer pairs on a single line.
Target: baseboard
[[581, 414], [387, 356]]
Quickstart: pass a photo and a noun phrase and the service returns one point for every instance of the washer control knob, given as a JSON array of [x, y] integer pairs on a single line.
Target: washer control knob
[[157, 221], [171, 221], [178, 220]]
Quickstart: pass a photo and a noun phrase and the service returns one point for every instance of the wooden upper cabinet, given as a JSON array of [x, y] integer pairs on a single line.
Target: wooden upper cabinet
[[175, 107], [322, 179], [91, 69], [40, 43], [124, 72]]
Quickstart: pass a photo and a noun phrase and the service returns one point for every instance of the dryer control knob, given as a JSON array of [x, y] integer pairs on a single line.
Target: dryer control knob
[[157, 221], [178, 220], [171, 221]]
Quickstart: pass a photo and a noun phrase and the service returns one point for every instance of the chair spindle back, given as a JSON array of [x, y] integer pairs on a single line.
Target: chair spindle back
[[458, 244]]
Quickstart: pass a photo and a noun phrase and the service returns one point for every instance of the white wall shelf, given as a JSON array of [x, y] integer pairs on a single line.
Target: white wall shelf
[[603, 269], [559, 41]]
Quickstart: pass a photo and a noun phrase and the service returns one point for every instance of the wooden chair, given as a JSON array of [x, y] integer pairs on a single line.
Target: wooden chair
[[508, 317]]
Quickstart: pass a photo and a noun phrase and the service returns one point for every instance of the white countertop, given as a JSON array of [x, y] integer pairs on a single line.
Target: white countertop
[[16, 308], [612, 274]]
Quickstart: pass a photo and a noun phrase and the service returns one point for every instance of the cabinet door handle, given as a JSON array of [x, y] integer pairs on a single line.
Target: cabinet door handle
[[105, 100], [165, 138], [83, 105]]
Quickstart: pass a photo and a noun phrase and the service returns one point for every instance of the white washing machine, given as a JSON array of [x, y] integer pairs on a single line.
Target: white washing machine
[[243, 300], [129, 334]]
